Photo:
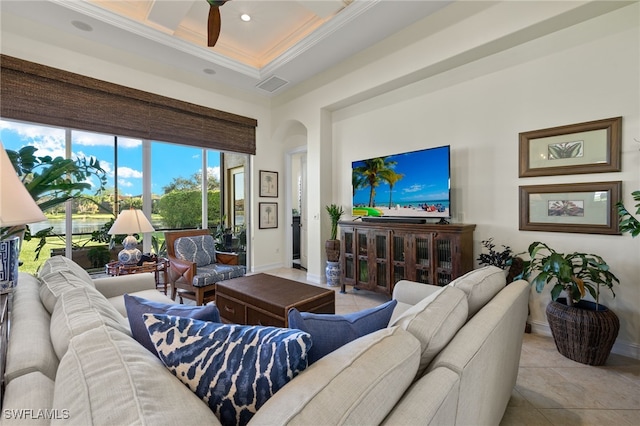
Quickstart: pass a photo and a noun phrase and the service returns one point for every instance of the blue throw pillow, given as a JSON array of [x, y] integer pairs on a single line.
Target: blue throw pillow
[[329, 332], [235, 369], [137, 306]]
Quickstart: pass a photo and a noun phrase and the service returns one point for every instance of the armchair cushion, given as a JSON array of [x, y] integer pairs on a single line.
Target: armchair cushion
[[200, 249], [211, 274]]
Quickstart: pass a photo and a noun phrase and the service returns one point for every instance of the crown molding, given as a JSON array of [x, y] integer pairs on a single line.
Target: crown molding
[[343, 18], [134, 27]]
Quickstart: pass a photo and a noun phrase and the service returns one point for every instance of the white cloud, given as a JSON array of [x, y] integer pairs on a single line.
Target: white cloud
[[124, 183], [213, 171], [90, 139], [48, 140], [127, 172], [414, 188], [128, 143]]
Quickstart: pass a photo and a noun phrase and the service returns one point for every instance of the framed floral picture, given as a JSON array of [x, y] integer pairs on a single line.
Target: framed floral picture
[[591, 147], [588, 208]]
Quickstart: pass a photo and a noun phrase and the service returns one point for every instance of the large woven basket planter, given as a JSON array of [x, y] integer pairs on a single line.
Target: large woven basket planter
[[581, 333]]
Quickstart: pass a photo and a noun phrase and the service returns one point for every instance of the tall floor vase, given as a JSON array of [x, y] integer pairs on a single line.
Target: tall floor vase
[[9, 263], [332, 272]]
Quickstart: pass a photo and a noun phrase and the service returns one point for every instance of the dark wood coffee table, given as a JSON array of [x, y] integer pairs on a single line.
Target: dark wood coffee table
[[264, 299]]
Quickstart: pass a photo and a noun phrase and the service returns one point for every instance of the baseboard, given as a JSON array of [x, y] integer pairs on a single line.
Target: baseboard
[[266, 268], [620, 347], [316, 279]]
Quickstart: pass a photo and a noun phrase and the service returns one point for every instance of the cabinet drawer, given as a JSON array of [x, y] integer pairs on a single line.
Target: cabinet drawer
[[230, 310], [262, 318]]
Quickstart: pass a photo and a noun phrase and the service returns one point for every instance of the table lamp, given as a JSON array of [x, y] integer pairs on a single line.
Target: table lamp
[[17, 208], [132, 221]]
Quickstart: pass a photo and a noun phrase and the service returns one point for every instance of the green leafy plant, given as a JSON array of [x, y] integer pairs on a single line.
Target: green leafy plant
[[629, 223], [98, 256], [501, 259], [53, 181], [159, 247], [575, 273], [335, 213]]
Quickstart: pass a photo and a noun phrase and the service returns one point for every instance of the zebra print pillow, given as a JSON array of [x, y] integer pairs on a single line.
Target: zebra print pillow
[[235, 369]]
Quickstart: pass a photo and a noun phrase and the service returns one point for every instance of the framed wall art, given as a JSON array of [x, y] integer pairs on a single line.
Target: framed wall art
[[591, 147], [268, 215], [268, 184], [587, 208]]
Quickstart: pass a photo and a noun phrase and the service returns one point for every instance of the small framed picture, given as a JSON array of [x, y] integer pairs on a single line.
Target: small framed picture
[[268, 184], [268, 213]]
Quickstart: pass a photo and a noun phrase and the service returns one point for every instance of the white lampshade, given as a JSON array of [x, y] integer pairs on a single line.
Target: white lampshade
[[16, 204], [17, 208], [132, 221]]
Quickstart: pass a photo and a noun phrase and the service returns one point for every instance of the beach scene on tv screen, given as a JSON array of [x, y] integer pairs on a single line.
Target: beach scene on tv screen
[[412, 184]]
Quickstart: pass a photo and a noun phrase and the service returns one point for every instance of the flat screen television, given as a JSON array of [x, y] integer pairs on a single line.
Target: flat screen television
[[410, 185]]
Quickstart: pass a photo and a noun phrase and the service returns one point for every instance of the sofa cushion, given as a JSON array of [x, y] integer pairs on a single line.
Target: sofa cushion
[[108, 378], [153, 295], [434, 321], [137, 306], [30, 348], [200, 249], [329, 332], [357, 384], [26, 397], [56, 283], [62, 263], [233, 368], [480, 285], [79, 310]]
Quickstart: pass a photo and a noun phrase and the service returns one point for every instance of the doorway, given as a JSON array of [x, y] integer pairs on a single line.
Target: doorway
[[298, 210]]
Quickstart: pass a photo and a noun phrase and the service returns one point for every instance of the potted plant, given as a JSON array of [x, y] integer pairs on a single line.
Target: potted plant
[[332, 246], [583, 330], [502, 259]]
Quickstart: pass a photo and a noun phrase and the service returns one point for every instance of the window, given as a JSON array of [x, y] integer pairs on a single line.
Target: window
[[170, 176]]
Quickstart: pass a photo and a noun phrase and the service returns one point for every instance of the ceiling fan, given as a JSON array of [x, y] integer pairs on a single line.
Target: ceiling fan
[[214, 22]]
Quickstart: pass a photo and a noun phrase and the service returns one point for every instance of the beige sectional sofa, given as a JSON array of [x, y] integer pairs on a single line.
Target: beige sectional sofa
[[449, 356]]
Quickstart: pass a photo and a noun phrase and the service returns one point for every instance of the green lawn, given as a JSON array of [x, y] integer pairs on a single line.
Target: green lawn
[[27, 251]]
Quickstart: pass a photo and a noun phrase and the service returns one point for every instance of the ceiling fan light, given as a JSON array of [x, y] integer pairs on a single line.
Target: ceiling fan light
[[245, 17]]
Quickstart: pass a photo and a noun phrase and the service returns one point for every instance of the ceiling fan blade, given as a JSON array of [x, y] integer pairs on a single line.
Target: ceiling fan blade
[[214, 22], [213, 25]]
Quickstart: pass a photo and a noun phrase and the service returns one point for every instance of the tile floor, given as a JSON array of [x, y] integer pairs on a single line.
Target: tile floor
[[550, 389]]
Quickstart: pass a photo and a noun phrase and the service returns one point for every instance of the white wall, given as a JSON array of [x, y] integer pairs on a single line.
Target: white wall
[[586, 72]]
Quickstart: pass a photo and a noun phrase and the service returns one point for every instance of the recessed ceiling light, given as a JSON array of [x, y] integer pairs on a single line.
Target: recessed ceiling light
[[82, 26], [245, 17], [209, 71]]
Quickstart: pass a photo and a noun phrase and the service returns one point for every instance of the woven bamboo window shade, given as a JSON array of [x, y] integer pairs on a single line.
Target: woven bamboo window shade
[[40, 94]]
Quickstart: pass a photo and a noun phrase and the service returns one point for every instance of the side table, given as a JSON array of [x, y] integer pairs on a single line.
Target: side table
[[161, 265]]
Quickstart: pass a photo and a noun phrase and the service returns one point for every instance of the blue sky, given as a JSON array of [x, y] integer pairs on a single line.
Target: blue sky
[[168, 160], [426, 178]]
